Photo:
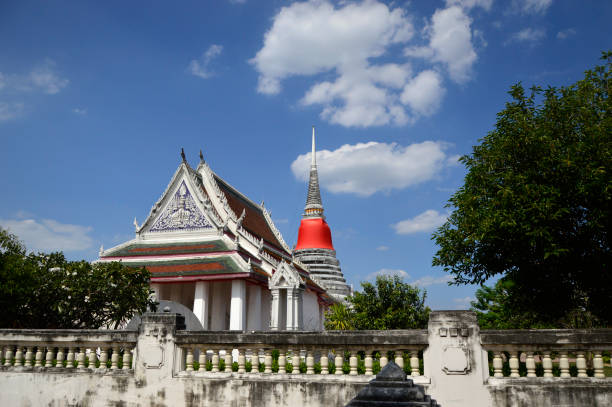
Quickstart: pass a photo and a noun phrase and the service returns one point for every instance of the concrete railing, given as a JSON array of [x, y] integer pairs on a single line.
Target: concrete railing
[[336, 352], [67, 349], [163, 365], [570, 351]]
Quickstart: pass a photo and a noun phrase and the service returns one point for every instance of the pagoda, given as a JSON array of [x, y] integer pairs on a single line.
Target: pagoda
[[314, 247], [215, 251]]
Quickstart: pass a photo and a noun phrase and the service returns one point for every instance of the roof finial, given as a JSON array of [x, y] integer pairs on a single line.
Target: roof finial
[[183, 155], [313, 161], [201, 155]]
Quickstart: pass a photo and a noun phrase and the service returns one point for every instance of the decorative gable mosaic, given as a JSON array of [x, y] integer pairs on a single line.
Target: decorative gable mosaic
[[181, 214]]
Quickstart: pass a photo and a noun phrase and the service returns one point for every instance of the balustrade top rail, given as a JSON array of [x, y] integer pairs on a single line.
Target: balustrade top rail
[[67, 337], [415, 337], [585, 339]]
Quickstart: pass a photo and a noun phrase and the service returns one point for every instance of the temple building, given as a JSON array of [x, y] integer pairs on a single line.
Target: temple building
[[213, 250], [314, 246]]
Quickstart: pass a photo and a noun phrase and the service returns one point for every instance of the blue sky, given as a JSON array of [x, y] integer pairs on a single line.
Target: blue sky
[[97, 98]]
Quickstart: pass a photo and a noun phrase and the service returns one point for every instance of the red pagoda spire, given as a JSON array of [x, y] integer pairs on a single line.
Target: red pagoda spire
[[314, 233]]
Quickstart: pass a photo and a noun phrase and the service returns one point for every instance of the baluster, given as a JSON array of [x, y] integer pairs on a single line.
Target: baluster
[[282, 361], [547, 365], [115, 358], [295, 361], [530, 364], [325, 361], [598, 364], [81, 358], [39, 356], [70, 358], [514, 364], [127, 358], [103, 357], [498, 363], [188, 362], [49, 357], [28, 356], [564, 364], [309, 361], [414, 363], [254, 360], [228, 360], [399, 358], [383, 358], [581, 364], [241, 360], [8, 355], [202, 360], [339, 361], [19, 356], [59, 358], [268, 360], [215, 361], [92, 358], [368, 362], [353, 362]]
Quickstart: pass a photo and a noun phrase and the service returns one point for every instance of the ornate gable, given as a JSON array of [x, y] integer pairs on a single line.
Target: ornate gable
[[183, 207], [181, 213], [286, 276]]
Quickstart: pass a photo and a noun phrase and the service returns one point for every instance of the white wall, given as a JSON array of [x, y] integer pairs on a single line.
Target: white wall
[[310, 311]]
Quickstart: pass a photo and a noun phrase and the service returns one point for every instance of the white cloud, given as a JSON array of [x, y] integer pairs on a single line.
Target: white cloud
[[429, 280], [468, 4], [10, 110], [45, 78], [382, 248], [531, 6], [79, 111], [450, 43], [530, 35], [463, 303], [388, 272], [201, 67], [49, 235], [563, 34], [424, 222], [314, 37], [424, 93], [366, 168]]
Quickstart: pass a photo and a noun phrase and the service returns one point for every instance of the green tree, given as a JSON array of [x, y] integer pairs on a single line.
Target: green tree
[[536, 202], [388, 304], [46, 291]]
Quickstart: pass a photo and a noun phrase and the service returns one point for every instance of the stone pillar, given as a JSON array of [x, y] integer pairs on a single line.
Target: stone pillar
[[254, 308], [454, 361], [201, 302], [154, 356], [290, 313], [274, 309], [298, 316], [238, 305]]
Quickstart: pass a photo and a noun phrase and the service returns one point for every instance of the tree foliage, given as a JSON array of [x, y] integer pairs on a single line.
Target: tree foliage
[[387, 304], [536, 202], [46, 291]]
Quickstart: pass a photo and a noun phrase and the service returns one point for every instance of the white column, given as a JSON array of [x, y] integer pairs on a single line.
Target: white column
[[201, 302], [290, 312], [254, 308], [298, 319], [274, 309], [238, 305]]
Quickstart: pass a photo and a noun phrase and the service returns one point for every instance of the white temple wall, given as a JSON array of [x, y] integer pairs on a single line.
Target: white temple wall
[[254, 309], [266, 309], [310, 311]]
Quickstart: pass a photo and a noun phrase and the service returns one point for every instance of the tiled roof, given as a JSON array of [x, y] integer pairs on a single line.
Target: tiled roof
[[254, 220], [154, 249], [188, 267]]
